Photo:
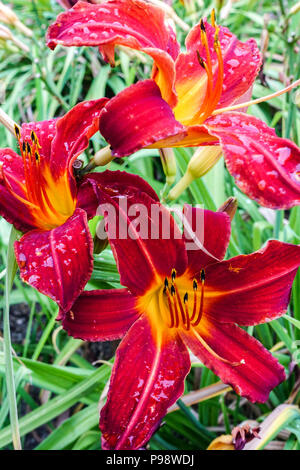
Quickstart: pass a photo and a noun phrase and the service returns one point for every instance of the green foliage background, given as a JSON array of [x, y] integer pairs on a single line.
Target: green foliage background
[[41, 84]]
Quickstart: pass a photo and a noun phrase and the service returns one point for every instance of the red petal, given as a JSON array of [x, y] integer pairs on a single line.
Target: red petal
[[241, 65], [63, 139], [132, 23], [138, 401], [101, 315], [265, 167], [11, 208], [252, 289], [138, 117], [212, 231], [119, 181], [259, 373], [145, 240], [58, 262]]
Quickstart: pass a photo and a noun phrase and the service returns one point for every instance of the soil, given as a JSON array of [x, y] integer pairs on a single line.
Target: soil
[[92, 352]]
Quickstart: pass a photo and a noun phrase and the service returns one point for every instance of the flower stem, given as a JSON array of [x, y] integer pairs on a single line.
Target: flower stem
[[7, 122], [11, 268]]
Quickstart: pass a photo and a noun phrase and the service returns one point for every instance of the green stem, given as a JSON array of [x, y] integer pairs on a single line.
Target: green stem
[[9, 371]]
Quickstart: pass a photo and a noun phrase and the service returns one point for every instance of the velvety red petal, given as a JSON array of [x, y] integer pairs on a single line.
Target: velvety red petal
[[147, 378], [13, 209], [265, 167], [120, 181], [206, 236], [144, 237], [252, 289], [259, 371], [133, 23], [58, 262], [138, 117], [73, 132], [64, 138], [101, 315], [241, 65]]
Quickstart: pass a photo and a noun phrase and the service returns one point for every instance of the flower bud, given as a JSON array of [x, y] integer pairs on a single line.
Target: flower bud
[[103, 157], [229, 206], [201, 162], [168, 161]]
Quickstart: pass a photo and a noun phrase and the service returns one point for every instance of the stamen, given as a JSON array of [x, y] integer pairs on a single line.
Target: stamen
[[172, 315], [213, 353], [213, 18], [17, 132], [173, 274], [195, 287], [258, 100], [180, 307], [212, 96], [187, 316], [176, 315], [200, 60], [200, 313]]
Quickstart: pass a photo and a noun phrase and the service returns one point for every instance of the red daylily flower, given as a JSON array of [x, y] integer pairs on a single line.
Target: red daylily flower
[[40, 197], [177, 298], [177, 106]]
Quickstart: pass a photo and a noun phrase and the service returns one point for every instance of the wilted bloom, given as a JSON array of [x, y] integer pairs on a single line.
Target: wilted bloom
[[237, 440], [179, 293], [182, 104], [40, 196]]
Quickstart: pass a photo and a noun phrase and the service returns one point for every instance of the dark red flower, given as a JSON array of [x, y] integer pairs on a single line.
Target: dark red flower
[[182, 105], [177, 297], [40, 197]]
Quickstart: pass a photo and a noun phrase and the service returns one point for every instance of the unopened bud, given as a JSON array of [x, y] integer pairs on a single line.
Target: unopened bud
[[103, 157], [229, 206], [100, 238], [168, 161], [294, 10], [201, 162], [297, 98]]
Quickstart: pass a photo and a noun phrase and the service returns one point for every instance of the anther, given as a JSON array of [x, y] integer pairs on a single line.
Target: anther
[[173, 290], [32, 135], [37, 157], [185, 297], [28, 148], [173, 274], [195, 284], [17, 131], [166, 283], [202, 26], [202, 275], [23, 146], [200, 60]]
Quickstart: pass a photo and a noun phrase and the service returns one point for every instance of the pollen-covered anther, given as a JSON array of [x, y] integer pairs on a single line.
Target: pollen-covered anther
[[17, 131], [214, 86]]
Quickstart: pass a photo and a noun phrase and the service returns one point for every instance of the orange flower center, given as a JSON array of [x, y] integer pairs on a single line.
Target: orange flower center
[[179, 304], [50, 200]]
